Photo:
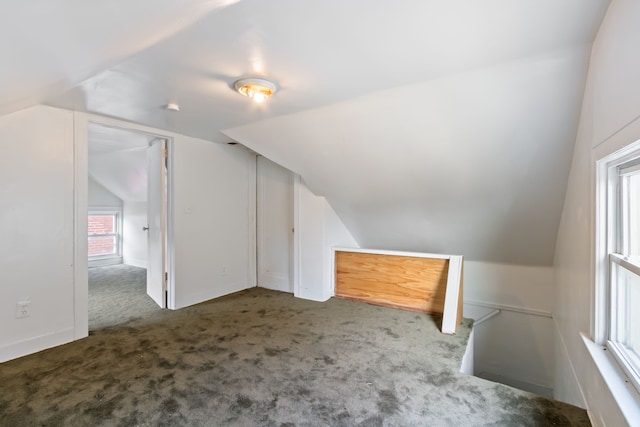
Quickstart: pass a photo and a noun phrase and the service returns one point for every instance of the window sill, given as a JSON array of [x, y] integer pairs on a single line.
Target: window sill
[[624, 393]]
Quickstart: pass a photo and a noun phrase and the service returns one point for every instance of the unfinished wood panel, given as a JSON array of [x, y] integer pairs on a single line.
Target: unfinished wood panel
[[406, 282]]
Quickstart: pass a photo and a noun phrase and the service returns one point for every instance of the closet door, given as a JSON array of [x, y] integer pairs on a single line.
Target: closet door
[[274, 226]]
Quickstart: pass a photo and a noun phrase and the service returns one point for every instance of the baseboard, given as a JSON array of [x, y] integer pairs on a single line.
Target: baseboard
[[275, 282], [35, 344], [226, 289], [312, 298], [275, 288], [142, 263], [565, 353], [104, 262], [519, 384]]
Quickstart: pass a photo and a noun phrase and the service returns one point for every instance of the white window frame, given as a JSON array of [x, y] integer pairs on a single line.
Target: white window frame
[[609, 252], [96, 260]]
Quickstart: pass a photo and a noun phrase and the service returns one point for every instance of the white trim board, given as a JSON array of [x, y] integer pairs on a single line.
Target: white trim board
[[624, 393], [512, 308], [452, 295], [35, 344], [101, 262], [395, 253], [140, 263], [81, 172], [219, 291]]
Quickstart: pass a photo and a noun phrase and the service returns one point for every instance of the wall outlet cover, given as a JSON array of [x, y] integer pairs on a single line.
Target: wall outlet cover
[[22, 309]]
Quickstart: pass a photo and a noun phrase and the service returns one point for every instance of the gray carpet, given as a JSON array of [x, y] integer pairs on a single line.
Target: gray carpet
[[264, 358], [118, 294]]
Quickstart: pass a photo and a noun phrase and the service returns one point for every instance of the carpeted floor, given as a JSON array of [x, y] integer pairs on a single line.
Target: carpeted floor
[[265, 358], [118, 294]]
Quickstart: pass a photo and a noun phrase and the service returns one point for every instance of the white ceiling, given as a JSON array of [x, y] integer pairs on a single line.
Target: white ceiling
[[473, 164], [50, 46], [118, 161], [429, 125]]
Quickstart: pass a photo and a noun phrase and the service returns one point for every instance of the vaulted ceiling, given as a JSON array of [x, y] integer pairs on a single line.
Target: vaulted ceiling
[[118, 161], [428, 125]]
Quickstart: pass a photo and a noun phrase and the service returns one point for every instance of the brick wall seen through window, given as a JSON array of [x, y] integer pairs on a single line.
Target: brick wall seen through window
[[102, 238]]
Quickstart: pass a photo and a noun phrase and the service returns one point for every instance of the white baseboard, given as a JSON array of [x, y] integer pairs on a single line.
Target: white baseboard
[[574, 377], [275, 282], [519, 384], [135, 262], [35, 344], [220, 291], [104, 262], [275, 288], [313, 298]]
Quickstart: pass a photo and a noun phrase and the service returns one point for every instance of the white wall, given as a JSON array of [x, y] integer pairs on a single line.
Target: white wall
[[213, 219], [212, 198], [214, 224], [318, 231], [513, 347], [134, 239], [101, 197], [609, 120], [36, 254], [516, 346]]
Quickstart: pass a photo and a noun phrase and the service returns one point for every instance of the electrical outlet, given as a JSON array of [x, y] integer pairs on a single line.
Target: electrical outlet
[[22, 309]]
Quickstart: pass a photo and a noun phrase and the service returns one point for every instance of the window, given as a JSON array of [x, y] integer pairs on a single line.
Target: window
[[104, 236], [618, 266]]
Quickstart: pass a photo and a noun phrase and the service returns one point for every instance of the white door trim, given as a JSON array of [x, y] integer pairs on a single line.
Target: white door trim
[[296, 235], [80, 199]]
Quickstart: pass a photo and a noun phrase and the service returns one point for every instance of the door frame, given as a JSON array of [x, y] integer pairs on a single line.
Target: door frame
[[80, 199]]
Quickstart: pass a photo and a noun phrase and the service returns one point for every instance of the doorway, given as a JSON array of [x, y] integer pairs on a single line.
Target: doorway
[[128, 186]]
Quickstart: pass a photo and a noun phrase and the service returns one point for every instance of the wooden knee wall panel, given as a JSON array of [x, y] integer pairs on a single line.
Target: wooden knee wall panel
[[427, 283]]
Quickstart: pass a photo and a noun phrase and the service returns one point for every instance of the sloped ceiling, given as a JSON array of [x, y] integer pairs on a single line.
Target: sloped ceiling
[[428, 125], [48, 47], [118, 161], [473, 164]]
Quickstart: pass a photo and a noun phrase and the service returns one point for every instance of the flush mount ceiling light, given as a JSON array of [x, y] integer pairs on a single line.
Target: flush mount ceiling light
[[256, 88]]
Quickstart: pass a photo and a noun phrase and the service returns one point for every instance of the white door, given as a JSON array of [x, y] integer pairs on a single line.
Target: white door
[[156, 217], [274, 226]]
